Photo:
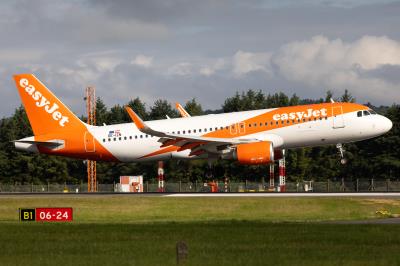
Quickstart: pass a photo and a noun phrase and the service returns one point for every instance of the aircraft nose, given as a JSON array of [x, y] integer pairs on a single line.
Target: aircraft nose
[[386, 124]]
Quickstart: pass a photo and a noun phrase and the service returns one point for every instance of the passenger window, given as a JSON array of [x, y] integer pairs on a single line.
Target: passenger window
[[277, 122], [216, 128], [226, 127], [210, 129], [255, 124], [120, 138], [266, 123], [130, 137], [147, 136], [141, 136], [359, 114], [189, 131], [200, 130], [109, 139], [288, 121], [124, 138], [104, 140], [183, 132], [366, 113], [261, 124], [194, 130], [205, 130], [242, 126], [249, 125], [115, 139], [179, 132]]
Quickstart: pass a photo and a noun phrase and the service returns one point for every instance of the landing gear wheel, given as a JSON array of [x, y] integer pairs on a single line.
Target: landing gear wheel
[[341, 153]]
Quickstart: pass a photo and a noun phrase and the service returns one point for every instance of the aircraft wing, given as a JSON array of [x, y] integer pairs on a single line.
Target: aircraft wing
[[197, 144]]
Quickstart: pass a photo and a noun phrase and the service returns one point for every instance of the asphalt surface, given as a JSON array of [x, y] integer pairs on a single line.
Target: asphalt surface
[[205, 194]]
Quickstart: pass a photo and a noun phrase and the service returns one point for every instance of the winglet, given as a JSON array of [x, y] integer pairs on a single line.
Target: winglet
[[182, 110], [141, 125], [135, 118]]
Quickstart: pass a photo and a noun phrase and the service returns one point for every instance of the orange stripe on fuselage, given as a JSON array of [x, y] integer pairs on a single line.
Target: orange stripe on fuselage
[[268, 117]]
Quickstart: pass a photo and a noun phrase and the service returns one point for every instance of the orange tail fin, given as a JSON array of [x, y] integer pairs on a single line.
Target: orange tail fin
[[46, 113]]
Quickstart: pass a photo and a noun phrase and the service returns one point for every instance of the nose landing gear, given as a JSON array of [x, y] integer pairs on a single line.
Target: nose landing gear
[[341, 153]]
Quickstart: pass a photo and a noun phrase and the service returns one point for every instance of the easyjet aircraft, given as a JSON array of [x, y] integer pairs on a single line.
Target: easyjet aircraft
[[250, 137]]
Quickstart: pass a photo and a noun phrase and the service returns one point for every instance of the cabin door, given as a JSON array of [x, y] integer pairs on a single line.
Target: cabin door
[[89, 142], [337, 117]]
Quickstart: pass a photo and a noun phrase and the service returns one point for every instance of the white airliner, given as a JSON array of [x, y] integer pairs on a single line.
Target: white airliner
[[250, 137]]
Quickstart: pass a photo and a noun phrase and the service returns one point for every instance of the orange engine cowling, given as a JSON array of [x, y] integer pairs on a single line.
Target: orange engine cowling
[[255, 153]]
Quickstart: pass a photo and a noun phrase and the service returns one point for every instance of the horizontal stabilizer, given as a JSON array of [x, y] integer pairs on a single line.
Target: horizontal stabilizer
[[53, 144]]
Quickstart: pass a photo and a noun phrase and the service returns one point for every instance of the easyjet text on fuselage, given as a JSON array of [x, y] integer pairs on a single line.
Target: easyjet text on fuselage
[[301, 114]]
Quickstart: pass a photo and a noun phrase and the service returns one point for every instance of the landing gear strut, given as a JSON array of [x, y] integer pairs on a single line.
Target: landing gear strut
[[341, 153]]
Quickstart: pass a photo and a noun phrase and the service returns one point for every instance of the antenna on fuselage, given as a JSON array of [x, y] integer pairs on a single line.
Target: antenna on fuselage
[[332, 101]]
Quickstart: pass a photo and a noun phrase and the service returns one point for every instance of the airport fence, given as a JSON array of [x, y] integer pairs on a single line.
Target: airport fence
[[358, 185]]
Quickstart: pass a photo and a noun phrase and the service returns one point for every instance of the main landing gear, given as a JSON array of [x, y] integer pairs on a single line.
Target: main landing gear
[[341, 153]]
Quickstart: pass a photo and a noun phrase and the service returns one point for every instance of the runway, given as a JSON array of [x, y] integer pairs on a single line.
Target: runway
[[285, 195], [207, 194]]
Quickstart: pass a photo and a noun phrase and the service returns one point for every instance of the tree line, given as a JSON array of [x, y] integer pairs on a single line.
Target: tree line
[[377, 158]]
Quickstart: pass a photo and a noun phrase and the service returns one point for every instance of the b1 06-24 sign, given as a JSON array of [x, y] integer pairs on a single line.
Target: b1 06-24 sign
[[46, 214]]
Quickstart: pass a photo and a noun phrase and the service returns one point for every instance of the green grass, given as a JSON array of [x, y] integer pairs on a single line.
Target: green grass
[[126, 209], [218, 231]]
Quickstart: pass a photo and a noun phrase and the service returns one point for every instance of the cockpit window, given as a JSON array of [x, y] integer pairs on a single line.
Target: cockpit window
[[359, 114], [372, 112], [366, 113]]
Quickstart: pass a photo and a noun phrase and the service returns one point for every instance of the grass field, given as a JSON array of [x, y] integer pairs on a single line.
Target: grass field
[[125, 230]]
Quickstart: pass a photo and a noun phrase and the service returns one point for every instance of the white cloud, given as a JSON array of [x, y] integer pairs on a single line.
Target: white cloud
[[337, 65], [245, 62], [181, 69], [143, 61], [212, 68]]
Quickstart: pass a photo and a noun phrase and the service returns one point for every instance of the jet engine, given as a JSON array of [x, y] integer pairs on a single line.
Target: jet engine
[[254, 153]]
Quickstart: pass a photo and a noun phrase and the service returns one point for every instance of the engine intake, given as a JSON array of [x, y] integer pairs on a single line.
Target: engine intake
[[254, 153]]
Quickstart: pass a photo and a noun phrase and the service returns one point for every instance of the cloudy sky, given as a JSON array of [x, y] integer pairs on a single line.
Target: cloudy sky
[[177, 50]]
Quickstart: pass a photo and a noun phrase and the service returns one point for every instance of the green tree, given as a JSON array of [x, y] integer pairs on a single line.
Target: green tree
[[347, 97], [160, 109], [101, 112], [118, 115], [193, 108], [139, 107], [329, 96]]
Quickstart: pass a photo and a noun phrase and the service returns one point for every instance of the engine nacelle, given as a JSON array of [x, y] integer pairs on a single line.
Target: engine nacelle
[[254, 153]]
